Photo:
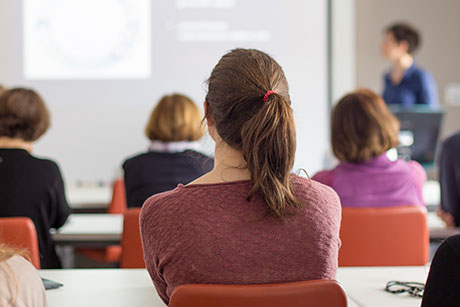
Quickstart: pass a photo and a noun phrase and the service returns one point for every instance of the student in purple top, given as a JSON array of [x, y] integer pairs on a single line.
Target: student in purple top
[[248, 220], [406, 84], [362, 131]]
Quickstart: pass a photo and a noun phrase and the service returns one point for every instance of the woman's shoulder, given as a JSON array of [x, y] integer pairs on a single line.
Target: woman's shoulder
[[422, 74], [31, 291], [314, 192], [137, 157], [322, 203], [46, 165], [161, 201], [154, 156], [19, 265], [324, 177]]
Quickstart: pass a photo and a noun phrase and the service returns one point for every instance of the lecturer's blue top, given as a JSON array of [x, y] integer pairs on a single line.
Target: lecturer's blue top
[[417, 87]]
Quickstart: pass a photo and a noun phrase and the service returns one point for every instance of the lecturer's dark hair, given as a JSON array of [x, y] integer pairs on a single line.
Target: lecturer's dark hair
[[263, 131], [407, 33]]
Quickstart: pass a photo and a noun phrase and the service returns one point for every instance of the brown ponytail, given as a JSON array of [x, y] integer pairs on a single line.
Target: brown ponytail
[[263, 131]]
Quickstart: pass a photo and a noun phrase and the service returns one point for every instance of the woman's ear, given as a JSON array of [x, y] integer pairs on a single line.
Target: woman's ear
[[404, 46], [207, 114]]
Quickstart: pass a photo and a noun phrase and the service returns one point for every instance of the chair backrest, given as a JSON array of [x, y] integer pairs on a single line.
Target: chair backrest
[[132, 255], [314, 293], [20, 233], [118, 203], [393, 236]]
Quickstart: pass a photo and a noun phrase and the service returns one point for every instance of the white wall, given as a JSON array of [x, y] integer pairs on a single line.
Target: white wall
[[343, 48]]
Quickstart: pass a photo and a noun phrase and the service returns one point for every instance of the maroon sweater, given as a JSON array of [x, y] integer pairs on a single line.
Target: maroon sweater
[[209, 233]]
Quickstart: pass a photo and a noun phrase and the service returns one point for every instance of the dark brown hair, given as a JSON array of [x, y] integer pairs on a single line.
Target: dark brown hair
[[175, 118], [23, 114], [362, 127], [263, 131], [405, 32]]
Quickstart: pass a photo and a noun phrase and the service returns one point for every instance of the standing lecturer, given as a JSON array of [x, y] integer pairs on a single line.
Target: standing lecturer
[[406, 84]]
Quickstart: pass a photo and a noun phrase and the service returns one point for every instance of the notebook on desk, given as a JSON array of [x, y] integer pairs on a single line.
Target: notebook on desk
[[50, 284]]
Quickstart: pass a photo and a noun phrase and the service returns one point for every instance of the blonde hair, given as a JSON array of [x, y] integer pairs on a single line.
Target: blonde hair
[[6, 252], [175, 118]]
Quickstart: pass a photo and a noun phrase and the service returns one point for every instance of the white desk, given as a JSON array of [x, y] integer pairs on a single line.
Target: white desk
[[102, 287], [432, 193], [438, 230], [365, 286], [89, 197], [133, 287], [90, 229]]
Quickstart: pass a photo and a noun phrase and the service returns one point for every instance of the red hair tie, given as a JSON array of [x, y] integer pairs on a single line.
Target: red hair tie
[[268, 93]]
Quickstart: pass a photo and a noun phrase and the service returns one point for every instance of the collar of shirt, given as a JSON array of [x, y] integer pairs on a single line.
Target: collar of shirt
[[173, 147], [380, 161], [407, 74]]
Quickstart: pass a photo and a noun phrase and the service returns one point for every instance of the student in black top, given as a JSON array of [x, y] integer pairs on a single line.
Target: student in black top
[[173, 128], [449, 179], [30, 186], [443, 283]]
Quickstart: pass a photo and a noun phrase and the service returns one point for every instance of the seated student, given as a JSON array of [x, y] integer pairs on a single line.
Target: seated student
[[249, 220], [30, 186], [362, 131], [20, 285], [443, 281], [449, 179], [173, 157]]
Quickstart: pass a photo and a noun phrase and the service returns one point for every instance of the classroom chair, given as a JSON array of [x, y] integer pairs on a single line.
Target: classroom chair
[[118, 204], [20, 233], [313, 293], [110, 254], [132, 255], [391, 236]]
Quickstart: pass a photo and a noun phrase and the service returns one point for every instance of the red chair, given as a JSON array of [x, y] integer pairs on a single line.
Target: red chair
[[132, 255], [118, 203], [20, 233], [110, 254], [314, 293], [393, 236]]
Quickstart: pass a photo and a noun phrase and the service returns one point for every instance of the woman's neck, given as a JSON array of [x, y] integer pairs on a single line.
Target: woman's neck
[[404, 62], [400, 66], [229, 165], [6, 142]]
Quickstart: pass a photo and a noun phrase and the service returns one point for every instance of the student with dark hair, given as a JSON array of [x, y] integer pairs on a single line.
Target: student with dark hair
[[173, 156], [449, 179], [406, 84], [30, 186], [443, 281], [362, 131], [249, 220]]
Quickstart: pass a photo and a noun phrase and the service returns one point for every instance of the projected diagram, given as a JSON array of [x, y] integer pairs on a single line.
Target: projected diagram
[[86, 39]]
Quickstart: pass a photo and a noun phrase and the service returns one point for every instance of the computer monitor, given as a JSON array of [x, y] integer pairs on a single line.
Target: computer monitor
[[419, 133]]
